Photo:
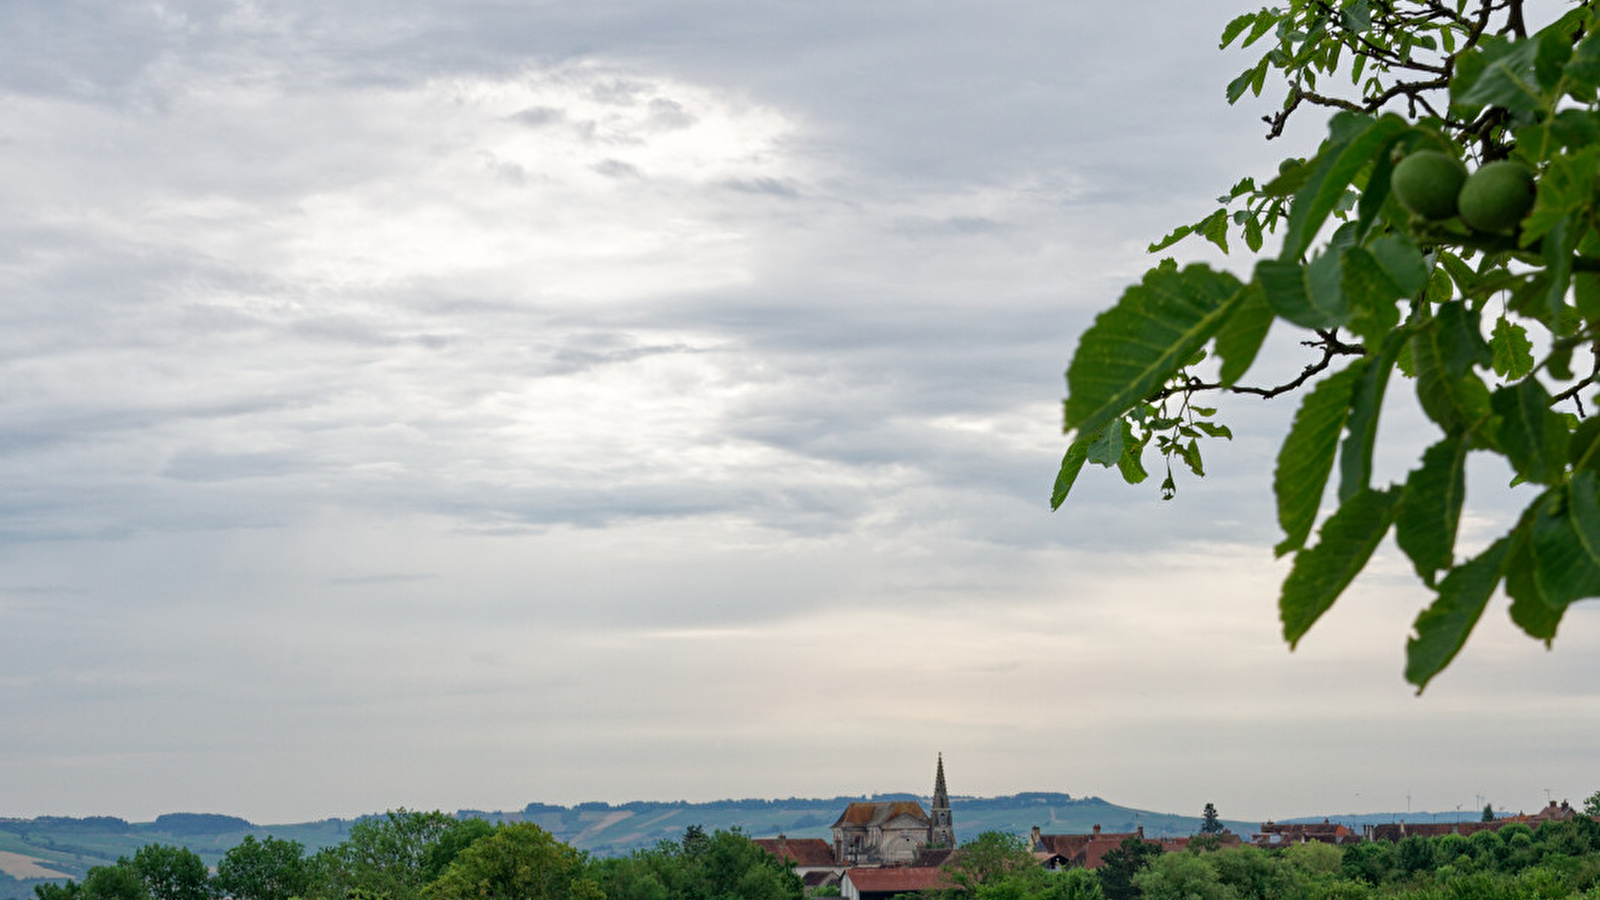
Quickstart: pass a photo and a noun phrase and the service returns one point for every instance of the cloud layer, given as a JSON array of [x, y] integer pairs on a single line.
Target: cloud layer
[[608, 401]]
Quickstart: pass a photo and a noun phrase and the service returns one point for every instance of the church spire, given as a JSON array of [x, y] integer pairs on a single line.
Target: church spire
[[941, 830]]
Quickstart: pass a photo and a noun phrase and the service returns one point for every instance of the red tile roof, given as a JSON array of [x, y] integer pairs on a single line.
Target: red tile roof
[[803, 851], [899, 878]]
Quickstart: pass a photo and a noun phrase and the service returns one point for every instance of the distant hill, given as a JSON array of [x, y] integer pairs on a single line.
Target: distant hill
[[72, 845]]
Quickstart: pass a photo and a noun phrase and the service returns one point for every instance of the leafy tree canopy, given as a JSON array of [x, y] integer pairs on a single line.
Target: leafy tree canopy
[[1486, 300], [390, 856], [991, 856], [268, 869], [170, 873], [516, 862], [1122, 863]]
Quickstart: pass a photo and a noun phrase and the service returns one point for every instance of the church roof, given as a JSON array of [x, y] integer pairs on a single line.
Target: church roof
[[865, 814]]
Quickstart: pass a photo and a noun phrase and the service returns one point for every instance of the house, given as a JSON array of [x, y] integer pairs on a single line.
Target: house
[[1552, 813], [812, 858], [1273, 834], [1398, 831], [1088, 851], [882, 883]]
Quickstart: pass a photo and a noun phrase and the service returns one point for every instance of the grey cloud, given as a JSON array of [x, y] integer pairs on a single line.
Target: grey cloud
[[616, 168], [670, 114], [208, 467], [385, 579], [770, 186], [539, 116]]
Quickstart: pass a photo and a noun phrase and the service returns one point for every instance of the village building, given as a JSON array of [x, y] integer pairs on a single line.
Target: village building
[[1273, 834], [883, 883], [1088, 851], [894, 832], [812, 858], [1399, 831]]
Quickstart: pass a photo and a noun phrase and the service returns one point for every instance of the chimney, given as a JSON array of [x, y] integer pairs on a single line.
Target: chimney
[[1097, 829], [1141, 832], [1037, 840]]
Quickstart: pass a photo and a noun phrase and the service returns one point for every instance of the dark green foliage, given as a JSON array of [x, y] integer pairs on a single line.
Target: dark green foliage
[[112, 883], [991, 856], [170, 873], [1209, 822], [1254, 875], [51, 890], [1181, 876], [1374, 266], [1121, 864], [1039, 884], [516, 862], [1488, 848], [1413, 855], [268, 869], [1370, 862], [724, 865], [391, 856], [199, 823]]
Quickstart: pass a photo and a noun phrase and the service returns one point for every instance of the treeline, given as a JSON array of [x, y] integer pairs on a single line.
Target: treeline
[[792, 803], [1559, 860], [406, 855]]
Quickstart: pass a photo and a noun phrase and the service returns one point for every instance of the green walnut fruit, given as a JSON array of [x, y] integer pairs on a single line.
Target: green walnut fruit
[[1427, 183], [1497, 196]]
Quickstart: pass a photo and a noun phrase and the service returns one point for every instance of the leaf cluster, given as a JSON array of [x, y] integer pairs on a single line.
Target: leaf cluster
[[1495, 332]]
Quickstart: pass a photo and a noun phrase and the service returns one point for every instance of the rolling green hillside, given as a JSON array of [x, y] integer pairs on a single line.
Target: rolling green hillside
[[71, 846]]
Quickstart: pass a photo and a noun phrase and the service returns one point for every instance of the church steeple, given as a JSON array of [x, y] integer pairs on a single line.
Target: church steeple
[[941, 831]]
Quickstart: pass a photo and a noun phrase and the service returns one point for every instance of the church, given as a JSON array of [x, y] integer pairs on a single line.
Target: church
[[896, 832]]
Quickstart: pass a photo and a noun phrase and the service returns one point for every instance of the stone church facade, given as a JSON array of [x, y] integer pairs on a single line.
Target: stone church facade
[[896, 832]]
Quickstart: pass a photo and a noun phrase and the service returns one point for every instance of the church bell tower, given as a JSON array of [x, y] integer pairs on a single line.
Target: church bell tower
[[941, 833]]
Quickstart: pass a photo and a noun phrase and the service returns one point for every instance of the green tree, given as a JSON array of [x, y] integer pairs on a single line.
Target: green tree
[[1071, 884], [170, 873], [516, 862], [392, 856], [56, 890], [1591, 806], [268, 869], [1210, 823], [1253, 874], [1035, 883], [1488, 813], [991, 856], [1487, 848], [117, 882], [724, 865], [1377, 284], [1181, 876], [1122, 863], [1369, 862], [1414, 854], [1314, 858]]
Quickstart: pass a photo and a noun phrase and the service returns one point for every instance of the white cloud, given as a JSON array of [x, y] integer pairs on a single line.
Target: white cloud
[[518, 385]]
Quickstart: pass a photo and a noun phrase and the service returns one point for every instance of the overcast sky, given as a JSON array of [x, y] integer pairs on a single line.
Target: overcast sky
[[467, 404]]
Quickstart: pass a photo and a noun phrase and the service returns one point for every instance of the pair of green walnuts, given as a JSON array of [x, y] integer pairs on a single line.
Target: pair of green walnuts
[[1434, 186]]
